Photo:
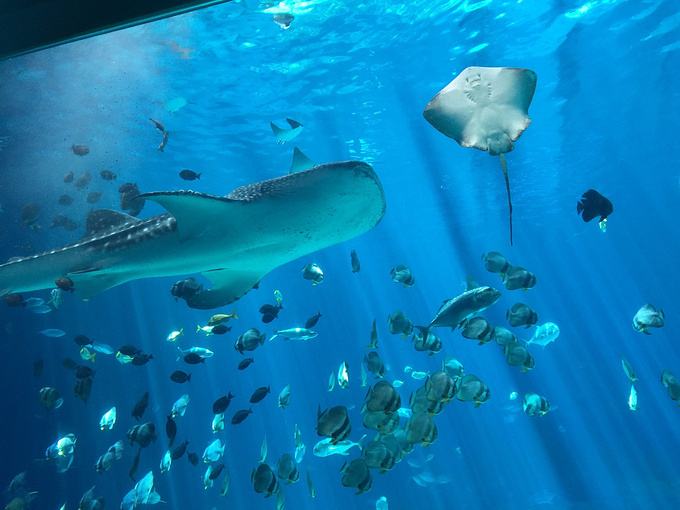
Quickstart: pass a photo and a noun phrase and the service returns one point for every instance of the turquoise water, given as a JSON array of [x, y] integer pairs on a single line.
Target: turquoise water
[[358, 76]]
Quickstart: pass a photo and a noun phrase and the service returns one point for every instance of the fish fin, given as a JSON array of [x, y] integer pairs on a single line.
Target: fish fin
[[300, 162], [275, 129], [198, 213], [293, 123], [227, 287], [90, 282]]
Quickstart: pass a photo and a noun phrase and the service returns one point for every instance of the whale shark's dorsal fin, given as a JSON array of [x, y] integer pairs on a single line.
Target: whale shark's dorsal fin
[[192, 210], [300, 162], [104, 220]]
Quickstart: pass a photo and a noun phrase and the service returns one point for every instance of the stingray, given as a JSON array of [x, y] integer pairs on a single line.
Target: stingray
[[233, 240], [486, 108], [286, 135], [300, 162]]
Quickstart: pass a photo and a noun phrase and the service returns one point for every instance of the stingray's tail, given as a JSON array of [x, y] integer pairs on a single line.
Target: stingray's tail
[[504, 168]]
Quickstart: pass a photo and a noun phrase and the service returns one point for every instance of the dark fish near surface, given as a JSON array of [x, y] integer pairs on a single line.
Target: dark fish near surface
[[108, 175], [38, 366], [193, 458], [83, 388], [264, 480], [240, 416], [495, 262], [519, 278], [270, 312], [220, 329], [170, 430], [140, 407], [245, 363], [178, 451], [220, 405], [259, 394], [333, 423], [82, 340], [141, 358], [142, 434], [311, 322], [521, 315], [216, 471], [356, 474], [30, 213], [83, 372], [135, 464], [80, 150], [189, 175], [356, 265], [129, 198], [593, 204], [65, 284], [65, 200], [83, 181], [64, 222], [180, 377], [193, 358], [93, 197], [68, 177]]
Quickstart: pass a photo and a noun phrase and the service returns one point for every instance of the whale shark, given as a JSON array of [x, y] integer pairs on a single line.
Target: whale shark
[[233, 240]]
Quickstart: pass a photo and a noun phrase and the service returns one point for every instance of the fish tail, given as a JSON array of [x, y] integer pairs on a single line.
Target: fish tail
[[273, 337]]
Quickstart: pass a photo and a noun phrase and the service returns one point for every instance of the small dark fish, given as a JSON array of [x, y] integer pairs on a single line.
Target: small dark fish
[[68, 178], [180, 377], [64, 283], [38, 366], [216, 471], [220, 405], [108, 175], [82, 340], [141, 358], [65, 200], [193, 359], [178, 451], [135, 465], [160, 127], [311, 322], [164, 141], [64, 222], [189, 175], [269, 312], [140, 407], [14, 300], [220, 329], [93, 197], [259, 394], [356, 265], [240, 416], [170, 430], [30, 213], [83, 181], [593, 204], [129, 350], [193, 458], [83, 388], [69, 364], [245, 363], [80, 150], [83, 372]]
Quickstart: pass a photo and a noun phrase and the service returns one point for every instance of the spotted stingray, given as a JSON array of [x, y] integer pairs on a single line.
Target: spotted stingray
[[232, 240]]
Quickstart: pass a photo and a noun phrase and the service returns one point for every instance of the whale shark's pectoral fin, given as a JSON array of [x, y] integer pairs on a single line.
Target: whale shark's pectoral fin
[[87, 283], [227, 286], [196, 212]]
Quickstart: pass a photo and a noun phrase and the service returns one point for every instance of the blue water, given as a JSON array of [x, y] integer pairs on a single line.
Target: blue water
[[357, 75]]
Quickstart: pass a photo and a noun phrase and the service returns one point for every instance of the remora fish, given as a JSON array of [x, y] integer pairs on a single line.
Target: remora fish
[[229, 239]]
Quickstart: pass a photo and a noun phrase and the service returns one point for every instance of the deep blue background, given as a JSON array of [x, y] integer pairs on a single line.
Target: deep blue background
[[358, 76]]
